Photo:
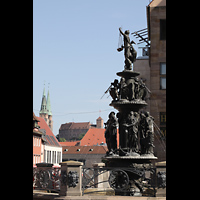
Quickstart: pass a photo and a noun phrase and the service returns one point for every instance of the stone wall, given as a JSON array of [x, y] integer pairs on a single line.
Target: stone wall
[[157, 55]]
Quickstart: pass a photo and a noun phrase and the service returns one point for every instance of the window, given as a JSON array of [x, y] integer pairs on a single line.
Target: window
[[163, 29], [45, 156], [90, 149], [54, 157], [163, 68], [163, 76], [59, 157], [163, 83], [48, 157], [145, 51], [162, 118]]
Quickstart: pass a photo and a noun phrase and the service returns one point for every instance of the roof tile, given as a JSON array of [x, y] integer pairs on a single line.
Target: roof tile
[[50, 140], [69, 143], [95, 136], [78, 125], [84, 150]]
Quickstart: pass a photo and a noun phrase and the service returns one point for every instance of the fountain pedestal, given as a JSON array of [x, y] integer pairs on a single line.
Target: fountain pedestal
[[134, 156]]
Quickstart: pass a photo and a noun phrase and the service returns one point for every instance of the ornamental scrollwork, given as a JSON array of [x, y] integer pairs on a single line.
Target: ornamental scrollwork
[[161, 179], [73, 179], [43, 178]]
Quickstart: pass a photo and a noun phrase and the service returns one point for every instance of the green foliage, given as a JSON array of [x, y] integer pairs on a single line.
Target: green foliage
[[62, 140], [81, 136]]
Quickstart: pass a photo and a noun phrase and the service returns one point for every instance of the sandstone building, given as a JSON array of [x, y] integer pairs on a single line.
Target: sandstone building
[[152, 68], [156, 21], [73, 130]]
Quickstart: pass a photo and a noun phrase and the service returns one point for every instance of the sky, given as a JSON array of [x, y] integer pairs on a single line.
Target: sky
[[75, 54]]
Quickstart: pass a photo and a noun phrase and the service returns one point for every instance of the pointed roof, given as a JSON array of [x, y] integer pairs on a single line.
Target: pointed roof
[[49, 112], [43, 108], [49, 136]]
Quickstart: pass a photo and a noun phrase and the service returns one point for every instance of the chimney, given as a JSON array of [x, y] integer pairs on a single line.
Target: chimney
[[99, 122]]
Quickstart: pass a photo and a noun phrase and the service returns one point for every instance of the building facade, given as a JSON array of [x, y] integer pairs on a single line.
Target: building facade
[[52, 150], [142, 65], [156, 21], [73, 130], [86, 154], [152, 70], [99, 123], [37, 142]]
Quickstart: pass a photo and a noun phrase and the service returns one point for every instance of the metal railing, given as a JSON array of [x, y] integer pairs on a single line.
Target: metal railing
[[46, 179], [123, 181]]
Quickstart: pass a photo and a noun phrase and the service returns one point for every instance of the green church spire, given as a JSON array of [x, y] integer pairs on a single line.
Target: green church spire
[[43, 108], [49, 112]]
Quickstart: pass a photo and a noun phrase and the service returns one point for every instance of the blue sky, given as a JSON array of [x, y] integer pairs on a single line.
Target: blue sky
[[74, 49]]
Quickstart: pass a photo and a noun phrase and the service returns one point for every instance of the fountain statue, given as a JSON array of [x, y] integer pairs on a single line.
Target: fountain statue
[[135, 125]]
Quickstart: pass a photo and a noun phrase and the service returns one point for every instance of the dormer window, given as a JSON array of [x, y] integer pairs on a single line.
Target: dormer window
[[91, 150]]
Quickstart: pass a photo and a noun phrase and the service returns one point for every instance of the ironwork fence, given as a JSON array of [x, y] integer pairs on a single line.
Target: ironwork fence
[[46, 179], [124, 181]]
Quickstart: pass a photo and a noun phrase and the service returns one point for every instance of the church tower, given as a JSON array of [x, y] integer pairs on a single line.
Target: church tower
[[49, 112], [45, 110]]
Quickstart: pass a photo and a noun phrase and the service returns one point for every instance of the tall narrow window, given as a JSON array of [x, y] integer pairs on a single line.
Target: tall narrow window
[[162, 83], [163, 29], [163, 68], [162, 118], [45, 156], [163, 76]]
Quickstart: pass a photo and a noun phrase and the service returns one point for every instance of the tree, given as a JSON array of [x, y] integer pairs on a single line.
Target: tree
[[81, 136], [62, 140]]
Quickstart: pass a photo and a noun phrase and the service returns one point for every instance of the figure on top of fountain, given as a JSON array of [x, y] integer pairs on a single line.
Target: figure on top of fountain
[[129, 52]]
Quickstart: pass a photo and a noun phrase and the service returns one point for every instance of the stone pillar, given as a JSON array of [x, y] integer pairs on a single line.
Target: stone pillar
[[71, 178], [103, 176], [45, 171], [161, 178]]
